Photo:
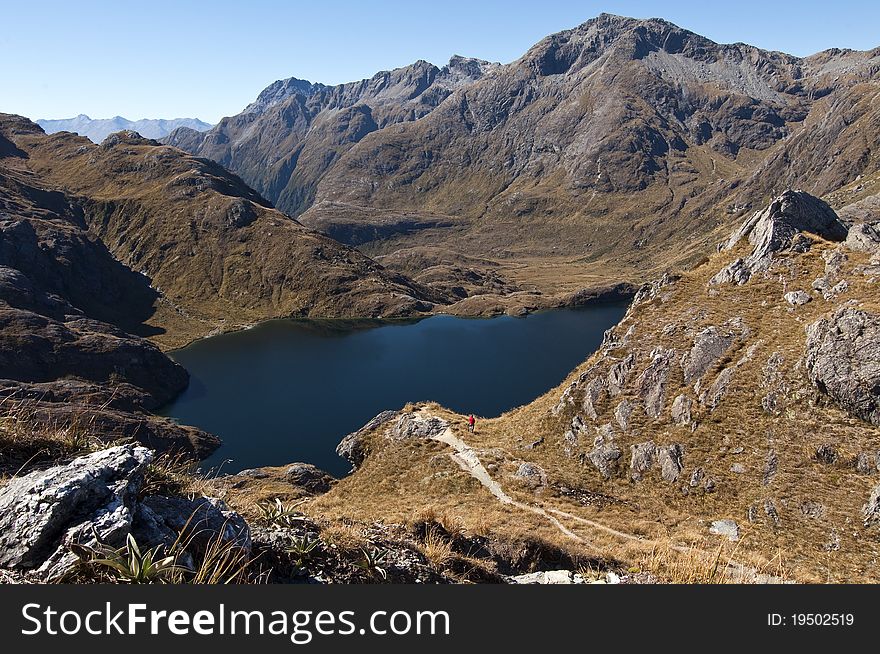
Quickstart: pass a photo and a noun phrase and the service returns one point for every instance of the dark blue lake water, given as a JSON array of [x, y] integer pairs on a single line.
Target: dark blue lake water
[[289, 391]]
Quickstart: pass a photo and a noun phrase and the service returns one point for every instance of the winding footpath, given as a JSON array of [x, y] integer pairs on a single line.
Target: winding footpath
[[468, 460]]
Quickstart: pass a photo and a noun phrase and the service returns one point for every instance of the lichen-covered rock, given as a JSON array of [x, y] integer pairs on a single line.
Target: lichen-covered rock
[[605, 456], [652, 382], [42, 510], [592, 392], [681, 410], [623, 412], [642, 458], [670, 458], [798, 298], [619, 373], [709, 346], [842, 358]]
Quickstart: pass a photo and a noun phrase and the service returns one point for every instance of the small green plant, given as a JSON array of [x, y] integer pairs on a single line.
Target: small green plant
[[302, 547], [373, 562], [128, 564], [276, 514]]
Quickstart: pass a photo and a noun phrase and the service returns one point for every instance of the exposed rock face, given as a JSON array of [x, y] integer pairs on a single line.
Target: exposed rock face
[[864, 237], [352, 448], [623, 412], [413, 425], [670, 458], [605, 456], [160, 519], [775, 229], [652, 382], [709, 346], [726, 528], [285, 141], [842, 358], [681, 410], [43, 512], [643, 456]]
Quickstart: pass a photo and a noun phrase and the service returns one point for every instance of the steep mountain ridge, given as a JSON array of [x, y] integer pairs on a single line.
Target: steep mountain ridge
[[597, 150], [283, 142]]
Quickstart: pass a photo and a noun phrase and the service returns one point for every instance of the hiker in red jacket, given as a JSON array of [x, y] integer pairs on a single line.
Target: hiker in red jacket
[[471, 422]]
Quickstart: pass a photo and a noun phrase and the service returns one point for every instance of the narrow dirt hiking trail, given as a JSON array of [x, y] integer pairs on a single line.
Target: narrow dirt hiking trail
[[468, 460]]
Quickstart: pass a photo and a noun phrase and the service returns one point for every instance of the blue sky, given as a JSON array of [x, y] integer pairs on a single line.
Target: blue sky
[[167, 59]]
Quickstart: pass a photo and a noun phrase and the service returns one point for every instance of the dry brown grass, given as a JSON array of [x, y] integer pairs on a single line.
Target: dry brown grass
[[402, 480], [27, 443]]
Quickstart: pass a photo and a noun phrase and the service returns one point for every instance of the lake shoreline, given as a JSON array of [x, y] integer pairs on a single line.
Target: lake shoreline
[[289, 389]]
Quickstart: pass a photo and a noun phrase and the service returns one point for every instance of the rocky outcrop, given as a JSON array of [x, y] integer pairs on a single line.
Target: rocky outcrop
[[681, 410], [864, 237], [652, 382], [842, 358], [531, 474], [709, 346], [415, 425], [353, 448], [642, 458], [42, 510], [777, 228], [605, 456], [671, 459], [98, 496], [308, 477]]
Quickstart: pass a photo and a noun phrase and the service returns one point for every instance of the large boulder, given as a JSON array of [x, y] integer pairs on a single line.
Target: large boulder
[[96, 498], [160, 520], [842, 358], [864, 237], [308, 477], [42, 510], [775, 229]]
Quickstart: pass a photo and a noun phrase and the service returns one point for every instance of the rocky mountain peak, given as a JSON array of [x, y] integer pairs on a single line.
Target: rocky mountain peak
[[279, 91]]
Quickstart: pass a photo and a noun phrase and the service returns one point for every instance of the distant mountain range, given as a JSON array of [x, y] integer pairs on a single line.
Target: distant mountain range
[[97, 129], [626, 145]]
